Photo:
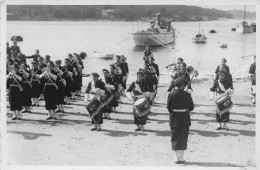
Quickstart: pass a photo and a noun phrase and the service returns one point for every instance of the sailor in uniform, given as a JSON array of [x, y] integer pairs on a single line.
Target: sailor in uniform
[[116, 81], [43, 67], [125, 72], [27, 89], [179, 105], [139, 89], [119, 71], [154, 69], [14, 80], [186, 77], [96, 88], [68, 73], [223, 86], [61, 86], [50, 90], [36, 83]]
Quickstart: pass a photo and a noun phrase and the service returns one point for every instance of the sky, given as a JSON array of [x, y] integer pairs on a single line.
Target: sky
[[250, 8]]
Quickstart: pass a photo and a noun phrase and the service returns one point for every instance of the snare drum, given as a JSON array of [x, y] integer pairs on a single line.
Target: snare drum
[[106, 99], [142, 106], [94, 107], [224, 104]]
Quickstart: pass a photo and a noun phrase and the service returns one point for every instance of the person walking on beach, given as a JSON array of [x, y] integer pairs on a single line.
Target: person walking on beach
[[14, 80], [223, 86], [252, 73], [96, 88], [140, 89], [179, 105], [50, 90]]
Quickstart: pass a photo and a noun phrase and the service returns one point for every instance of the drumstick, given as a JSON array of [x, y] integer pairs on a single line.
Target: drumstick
[[195, 71]]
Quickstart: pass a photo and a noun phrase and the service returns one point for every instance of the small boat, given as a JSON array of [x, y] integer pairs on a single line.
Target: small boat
[[102, 55], [254, 26], [212, 31], [199, 37], [160, 33], [243, 27], [222, 45]]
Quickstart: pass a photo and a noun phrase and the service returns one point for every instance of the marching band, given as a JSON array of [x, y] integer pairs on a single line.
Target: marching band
[[58, 84]]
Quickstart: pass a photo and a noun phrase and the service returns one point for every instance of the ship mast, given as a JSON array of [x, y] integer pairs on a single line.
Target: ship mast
[[244, 13], [199, 26]]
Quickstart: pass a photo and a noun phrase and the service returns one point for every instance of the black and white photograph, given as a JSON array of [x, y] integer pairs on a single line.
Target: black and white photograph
[[123, 84]]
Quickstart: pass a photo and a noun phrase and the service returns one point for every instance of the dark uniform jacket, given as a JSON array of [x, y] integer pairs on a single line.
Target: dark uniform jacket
[[187, 81], [143, 86], [227, 83], [99, 84], [34, 57], [252, 69], [180, 99]]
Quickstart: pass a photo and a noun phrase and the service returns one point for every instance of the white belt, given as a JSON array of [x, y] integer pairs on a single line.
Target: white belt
[[180, 110]]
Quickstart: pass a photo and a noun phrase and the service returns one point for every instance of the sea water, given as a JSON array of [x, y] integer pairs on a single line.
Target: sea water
[[58, 38]]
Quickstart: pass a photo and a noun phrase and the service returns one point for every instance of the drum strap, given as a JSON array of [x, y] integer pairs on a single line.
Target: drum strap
[[137, 88], [221, 86], [93, 85]]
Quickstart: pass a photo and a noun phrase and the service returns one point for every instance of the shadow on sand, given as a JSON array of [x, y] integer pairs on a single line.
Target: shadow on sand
[[29, 135], [212, 164]]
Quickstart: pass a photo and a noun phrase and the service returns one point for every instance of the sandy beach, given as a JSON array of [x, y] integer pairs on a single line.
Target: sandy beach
[[69, 141]]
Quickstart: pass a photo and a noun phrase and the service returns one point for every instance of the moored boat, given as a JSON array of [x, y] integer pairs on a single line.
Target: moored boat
[[103, 55], [243, 27], [160, 33], [200, 38]]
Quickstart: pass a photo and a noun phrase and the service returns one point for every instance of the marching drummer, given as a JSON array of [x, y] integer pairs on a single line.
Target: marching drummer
[[96, 88], [179, 105], [139, 89], [252, 73], [223, 86]]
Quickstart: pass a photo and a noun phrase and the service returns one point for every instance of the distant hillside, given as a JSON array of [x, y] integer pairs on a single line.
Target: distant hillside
[[123, 12], [240, 14]]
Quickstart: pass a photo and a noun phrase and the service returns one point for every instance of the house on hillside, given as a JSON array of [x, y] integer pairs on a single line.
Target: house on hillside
[[107, 14]]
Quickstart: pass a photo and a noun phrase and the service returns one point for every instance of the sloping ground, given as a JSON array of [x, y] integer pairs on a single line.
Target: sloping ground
[[69, 141]]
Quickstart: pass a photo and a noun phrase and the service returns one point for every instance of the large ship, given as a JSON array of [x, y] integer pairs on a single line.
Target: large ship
[[160, 33]]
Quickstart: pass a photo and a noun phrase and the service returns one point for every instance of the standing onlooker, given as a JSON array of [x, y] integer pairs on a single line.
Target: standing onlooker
[[15, 49], [253, 78], [8, 49]]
